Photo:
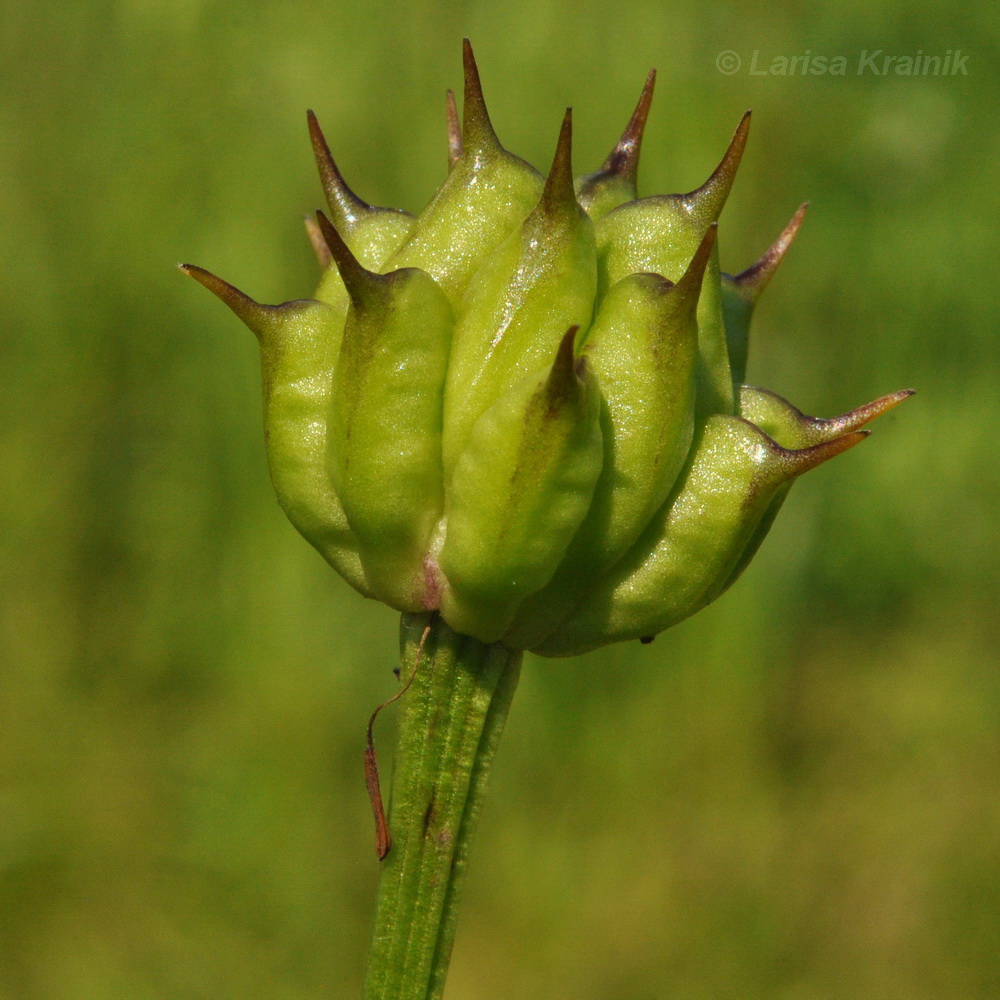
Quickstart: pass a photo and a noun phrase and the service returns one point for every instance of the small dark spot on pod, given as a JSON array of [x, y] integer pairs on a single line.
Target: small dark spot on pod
[[647, 639]]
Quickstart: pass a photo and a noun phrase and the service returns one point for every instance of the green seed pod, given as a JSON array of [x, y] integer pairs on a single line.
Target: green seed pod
[[436, 433], [538, 283], [693, 545], [299, 344], [660, 234], [519, 493], [384, 437], [297, 340], [643, 348]]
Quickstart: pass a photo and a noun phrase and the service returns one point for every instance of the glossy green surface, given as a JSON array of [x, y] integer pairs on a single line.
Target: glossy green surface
[[643, 350], [693, 544], [533, 458], [791, 794], [384, 426], [462, 483], [538, 283]]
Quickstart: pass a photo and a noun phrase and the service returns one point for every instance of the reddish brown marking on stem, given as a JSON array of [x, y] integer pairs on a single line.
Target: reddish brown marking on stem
[[383, 838]]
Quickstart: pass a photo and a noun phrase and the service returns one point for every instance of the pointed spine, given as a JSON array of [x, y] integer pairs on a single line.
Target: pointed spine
[[361, 283], [691, 280], [801, 460], [344, 204], [756, 277], [252, 313], [316, 241], [623, 160], [567, 369], [454, 129], [478, 135], [864, 414], [709, 199], [558, 196]]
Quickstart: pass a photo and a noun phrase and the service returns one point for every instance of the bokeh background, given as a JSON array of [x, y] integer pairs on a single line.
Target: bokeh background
[[793, 796]]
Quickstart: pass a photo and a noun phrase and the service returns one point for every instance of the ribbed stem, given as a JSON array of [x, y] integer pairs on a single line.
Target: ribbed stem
[[453, 715]]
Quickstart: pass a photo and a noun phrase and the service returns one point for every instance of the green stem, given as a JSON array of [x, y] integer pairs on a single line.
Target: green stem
[[453, 715]]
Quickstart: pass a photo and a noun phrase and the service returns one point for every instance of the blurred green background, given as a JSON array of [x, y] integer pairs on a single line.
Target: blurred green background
[[793, 796]]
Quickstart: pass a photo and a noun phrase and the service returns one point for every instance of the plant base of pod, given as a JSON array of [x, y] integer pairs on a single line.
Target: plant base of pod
[[453, 714]]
